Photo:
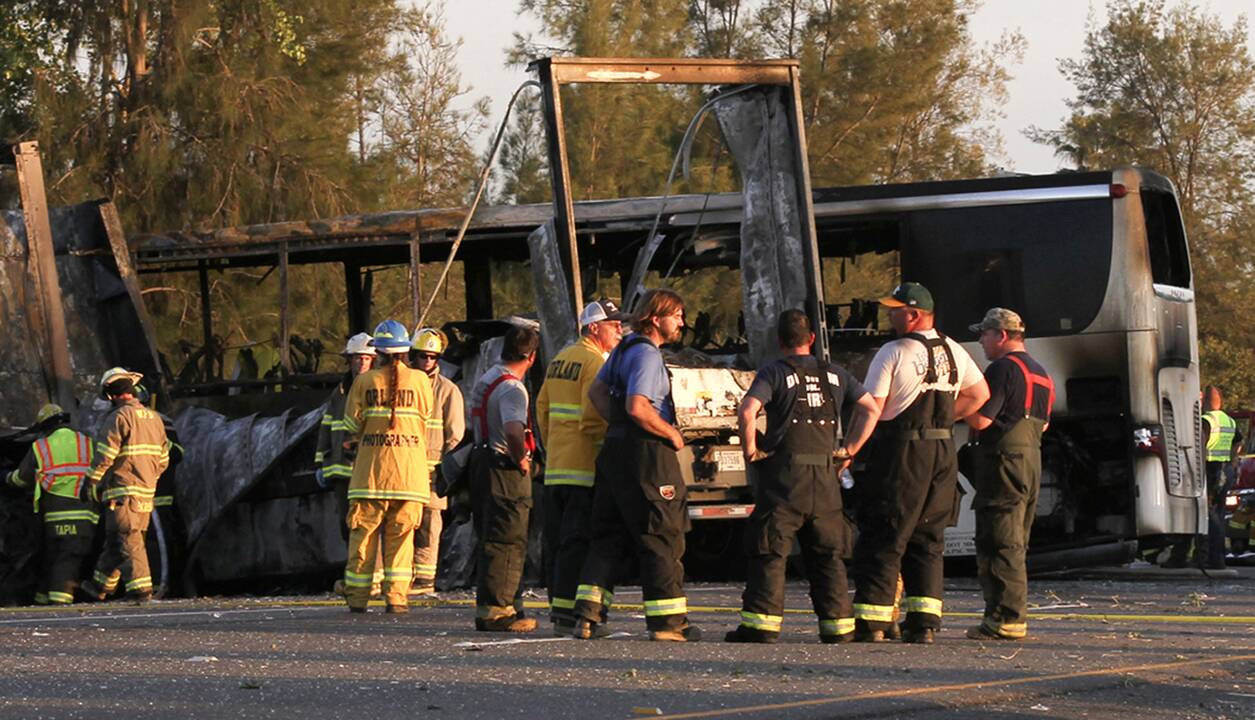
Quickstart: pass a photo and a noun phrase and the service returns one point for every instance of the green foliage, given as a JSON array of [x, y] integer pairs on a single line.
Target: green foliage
[[1173, 89]]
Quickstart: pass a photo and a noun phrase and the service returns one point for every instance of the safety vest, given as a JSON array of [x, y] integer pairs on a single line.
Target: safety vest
[[571, 434], [62, 461], [390, 425], [330, 454], [1220, 439]]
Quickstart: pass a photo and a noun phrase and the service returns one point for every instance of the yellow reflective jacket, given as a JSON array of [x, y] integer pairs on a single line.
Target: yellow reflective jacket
[[570, 427], [445, 426], [330, 454], [391, 461], [131, 452]]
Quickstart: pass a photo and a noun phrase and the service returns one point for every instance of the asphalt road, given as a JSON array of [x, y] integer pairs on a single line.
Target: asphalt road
[[1107, 646]]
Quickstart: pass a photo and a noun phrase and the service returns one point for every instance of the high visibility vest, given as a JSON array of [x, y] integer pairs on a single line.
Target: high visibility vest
[[62, 461], [1220, 439]]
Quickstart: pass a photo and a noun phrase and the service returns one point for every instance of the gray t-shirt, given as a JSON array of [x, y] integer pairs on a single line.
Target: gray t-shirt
[[507, 403]]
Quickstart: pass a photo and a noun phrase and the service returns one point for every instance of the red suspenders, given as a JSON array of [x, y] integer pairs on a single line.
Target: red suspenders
[[1032, 379]]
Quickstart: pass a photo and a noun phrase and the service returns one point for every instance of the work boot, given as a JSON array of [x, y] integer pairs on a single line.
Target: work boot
[[92, 590], [837, 639], [358, 609], [867, 635], [140, 597], [688, 633], [580, 629], [509, 623], [981, 632], [338, 588], [919, 636], [742, 634], [894, 632], [397, 609], [421, 588]]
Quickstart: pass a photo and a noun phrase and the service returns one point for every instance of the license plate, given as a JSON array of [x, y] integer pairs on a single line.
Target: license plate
[[730, 461]]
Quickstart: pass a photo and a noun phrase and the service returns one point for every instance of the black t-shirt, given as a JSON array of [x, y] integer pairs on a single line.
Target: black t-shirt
[[1005, 406], [777, 384]]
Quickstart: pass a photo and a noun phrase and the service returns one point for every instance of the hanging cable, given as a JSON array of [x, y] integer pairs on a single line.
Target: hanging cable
[[479, 192]]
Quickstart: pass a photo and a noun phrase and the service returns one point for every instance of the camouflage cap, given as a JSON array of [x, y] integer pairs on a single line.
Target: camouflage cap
[[999, 319]]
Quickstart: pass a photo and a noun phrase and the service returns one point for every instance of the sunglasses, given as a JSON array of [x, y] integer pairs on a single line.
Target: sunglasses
[[427, 356]]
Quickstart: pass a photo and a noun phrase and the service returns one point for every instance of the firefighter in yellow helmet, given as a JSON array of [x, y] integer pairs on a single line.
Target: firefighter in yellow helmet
[[386, 416], [131, 453], [55, 469], [445, 427]]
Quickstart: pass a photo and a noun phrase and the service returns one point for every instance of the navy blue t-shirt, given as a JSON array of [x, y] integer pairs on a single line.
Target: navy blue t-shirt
[[777, 385], [1005, 406]]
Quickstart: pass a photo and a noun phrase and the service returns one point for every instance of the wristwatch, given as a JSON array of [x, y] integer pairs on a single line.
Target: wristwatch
[[842, 453]]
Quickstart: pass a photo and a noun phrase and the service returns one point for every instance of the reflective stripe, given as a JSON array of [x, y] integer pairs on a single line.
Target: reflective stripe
[[385, 412], [435, 423], [16, 480], [350, 426], [327, 419], [107, 582], [163, 501], [41, 598], [569, 476], [369, 494], [398, 574], [758, 621], [561, 604], [592, 594], [840, 626], [873, 613], [355, 580], [566, 410], [319, 457], [1236, 525], [922, 604], [666, 606], [72, 516], [337, 470], [425, 572], [140, 583], [129, 491], [57, 597], [143, 449]]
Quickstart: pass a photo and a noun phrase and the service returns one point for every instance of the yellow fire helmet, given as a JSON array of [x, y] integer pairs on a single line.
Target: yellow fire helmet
[[47, 411], [119, 373], [430, 340]]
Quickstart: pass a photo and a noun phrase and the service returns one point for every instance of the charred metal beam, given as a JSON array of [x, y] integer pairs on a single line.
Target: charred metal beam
[[560, 179], [677, 71], [810, 237], [42, 269], [285, 323], [126, 270], [416, 279], [477, 271]]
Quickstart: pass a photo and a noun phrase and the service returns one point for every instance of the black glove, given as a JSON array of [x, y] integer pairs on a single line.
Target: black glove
[[87, 493]]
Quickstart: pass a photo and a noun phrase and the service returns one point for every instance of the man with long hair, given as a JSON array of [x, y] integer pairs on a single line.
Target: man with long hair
[[639, 501]]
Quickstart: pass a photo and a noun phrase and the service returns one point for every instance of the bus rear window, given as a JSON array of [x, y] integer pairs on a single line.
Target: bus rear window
[[1049, 262], [1165, 239]]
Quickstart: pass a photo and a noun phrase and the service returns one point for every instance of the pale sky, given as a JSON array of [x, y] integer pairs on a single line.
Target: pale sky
[[1053, 29]]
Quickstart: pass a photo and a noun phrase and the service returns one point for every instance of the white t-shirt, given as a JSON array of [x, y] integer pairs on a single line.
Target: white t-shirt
[[897, 372]]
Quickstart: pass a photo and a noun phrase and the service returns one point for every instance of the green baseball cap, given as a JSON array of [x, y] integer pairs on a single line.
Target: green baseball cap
[[910, 294]]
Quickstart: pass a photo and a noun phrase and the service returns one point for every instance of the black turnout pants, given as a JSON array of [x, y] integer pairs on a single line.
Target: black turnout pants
[[802, 501], [908, 497], [501, 498], [568, 532], [639, 506]]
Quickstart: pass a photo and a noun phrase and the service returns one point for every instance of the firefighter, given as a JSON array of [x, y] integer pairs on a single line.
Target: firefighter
[[572, 432], [332, 466], [799, 461], [1007, 474], [922, 382], [170, 542], [445, 427], [55, 469], [501, 483], [131, 454], [639, 498], [385, 418], [1223, 442]]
